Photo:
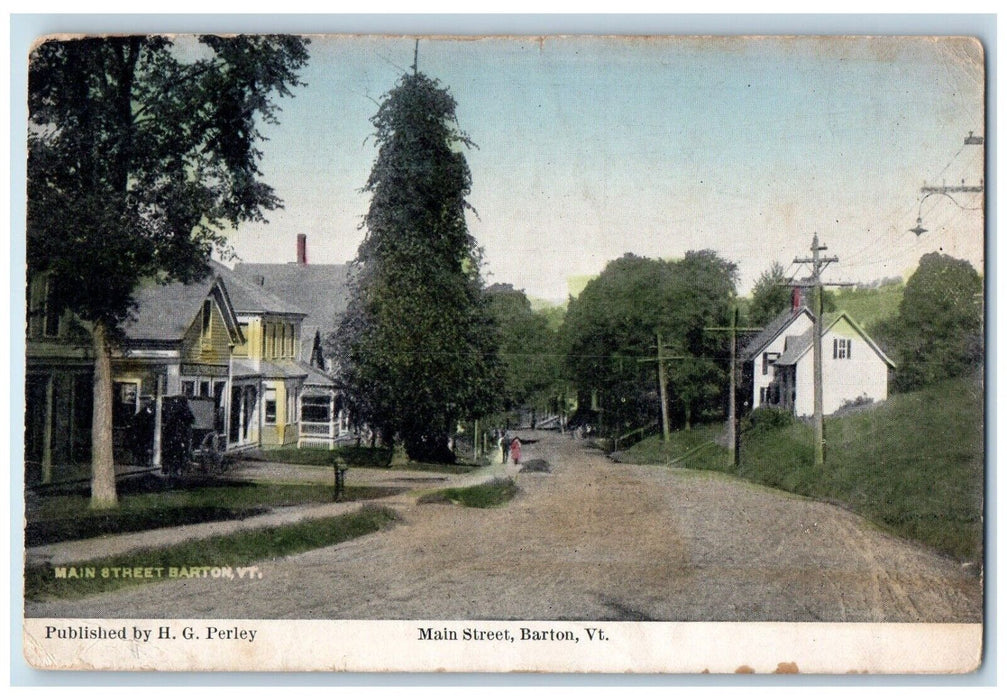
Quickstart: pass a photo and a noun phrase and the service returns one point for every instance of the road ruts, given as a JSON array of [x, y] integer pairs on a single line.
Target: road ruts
[[591, 540]]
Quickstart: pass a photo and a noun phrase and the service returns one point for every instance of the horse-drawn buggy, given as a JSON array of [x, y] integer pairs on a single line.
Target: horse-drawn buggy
[[191, 436]]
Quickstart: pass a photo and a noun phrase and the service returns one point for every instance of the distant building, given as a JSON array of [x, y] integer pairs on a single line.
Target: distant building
[[779, 366]]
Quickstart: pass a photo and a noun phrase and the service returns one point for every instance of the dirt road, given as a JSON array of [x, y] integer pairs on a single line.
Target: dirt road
[[590, 540]]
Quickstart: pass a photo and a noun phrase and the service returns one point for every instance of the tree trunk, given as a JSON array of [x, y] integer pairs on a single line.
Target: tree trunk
[[102, 464]]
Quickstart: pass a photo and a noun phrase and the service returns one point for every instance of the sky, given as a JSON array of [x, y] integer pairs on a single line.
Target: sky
[[590, 148]]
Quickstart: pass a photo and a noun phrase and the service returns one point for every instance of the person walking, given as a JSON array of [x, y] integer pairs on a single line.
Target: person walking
[[504, 447], [515, 450]]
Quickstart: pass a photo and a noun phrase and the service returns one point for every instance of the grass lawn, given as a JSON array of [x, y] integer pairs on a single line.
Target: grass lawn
[[377, 457], [913, 465], [488, 495], [223, 553], [148, 503]]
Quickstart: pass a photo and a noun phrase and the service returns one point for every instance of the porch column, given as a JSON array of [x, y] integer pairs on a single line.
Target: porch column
[[333, 420], [158, 394], [300, 416]]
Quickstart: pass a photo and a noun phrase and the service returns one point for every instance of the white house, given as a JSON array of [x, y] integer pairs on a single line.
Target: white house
[[782, 364]]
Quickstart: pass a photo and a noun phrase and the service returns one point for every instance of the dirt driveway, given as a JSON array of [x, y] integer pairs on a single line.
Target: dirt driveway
[[590, 540]]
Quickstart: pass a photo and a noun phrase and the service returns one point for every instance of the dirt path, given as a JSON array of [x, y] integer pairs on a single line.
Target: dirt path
[[590, 540]]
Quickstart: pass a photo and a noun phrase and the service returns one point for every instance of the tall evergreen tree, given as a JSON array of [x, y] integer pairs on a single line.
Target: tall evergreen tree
[[140, 151], [417, 347]]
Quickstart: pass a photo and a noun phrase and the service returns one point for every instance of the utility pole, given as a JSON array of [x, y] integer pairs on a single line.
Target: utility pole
[[732, 410], [662, 380], [948, 190], [818, 263]]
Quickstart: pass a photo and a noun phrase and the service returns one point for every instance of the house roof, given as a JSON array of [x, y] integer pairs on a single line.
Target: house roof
[[164, 312], [772, 330], [248, 297], [797, 346], [269, 369], [316, 377], [321, 291]]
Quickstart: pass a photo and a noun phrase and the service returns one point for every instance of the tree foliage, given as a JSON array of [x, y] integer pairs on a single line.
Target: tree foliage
[[527, 349], [770, 295], [417, 347], [613, 325], [938, 332], [141, 150]]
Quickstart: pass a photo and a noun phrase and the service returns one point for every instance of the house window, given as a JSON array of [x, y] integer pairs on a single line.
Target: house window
[[270, 401], [768, 358], [126, 402], [188, 388], [204, 388], [762, 395], [842, 348], [315, 409]]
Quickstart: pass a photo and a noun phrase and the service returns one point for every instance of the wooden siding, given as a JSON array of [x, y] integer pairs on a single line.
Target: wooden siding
[[214, 351]]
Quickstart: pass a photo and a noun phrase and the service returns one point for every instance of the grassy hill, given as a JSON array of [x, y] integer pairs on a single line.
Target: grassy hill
[[868, 306], [913, 465]]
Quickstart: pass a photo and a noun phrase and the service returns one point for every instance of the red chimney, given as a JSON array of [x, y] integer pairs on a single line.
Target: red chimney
[[795, 298], [302, 249]]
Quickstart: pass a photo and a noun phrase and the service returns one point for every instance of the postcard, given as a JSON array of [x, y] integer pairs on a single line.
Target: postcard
[[567, 354]]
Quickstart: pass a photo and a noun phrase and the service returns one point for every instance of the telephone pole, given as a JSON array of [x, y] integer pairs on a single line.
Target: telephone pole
[[818, 263], [732, 410], [662, 381]]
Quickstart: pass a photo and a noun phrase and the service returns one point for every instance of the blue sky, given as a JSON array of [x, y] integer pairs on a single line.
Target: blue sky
[[589, 148]]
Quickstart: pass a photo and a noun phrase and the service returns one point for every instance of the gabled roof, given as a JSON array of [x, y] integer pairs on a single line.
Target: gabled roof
[[248, 297], [164, 312], [772, 331], [799, 346], [321, 291]]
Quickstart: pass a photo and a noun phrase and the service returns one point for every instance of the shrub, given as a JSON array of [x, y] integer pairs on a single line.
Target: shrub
[[767, 418]]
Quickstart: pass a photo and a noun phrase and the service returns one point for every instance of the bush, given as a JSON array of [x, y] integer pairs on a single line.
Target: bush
[[767, 418]]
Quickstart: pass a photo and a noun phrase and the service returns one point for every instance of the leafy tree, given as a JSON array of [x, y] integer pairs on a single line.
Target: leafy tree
[[418, 347], [137, 159], [938, 331], [613, 325], [527, 349], [770, 295], [701, 381]]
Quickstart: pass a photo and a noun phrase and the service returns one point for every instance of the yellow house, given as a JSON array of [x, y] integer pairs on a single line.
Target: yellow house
[[265, 370]]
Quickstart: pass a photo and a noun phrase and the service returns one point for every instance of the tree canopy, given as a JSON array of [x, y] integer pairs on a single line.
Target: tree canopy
[[770, 295], [527, 349], [938, 332], [417, 348], [141, 151], [614, 323]]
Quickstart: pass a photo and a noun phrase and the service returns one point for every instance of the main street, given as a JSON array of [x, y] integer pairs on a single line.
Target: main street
[[590, 540]]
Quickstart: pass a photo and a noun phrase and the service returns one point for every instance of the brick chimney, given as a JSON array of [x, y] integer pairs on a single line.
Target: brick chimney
[[796, 298], [302, 249]]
